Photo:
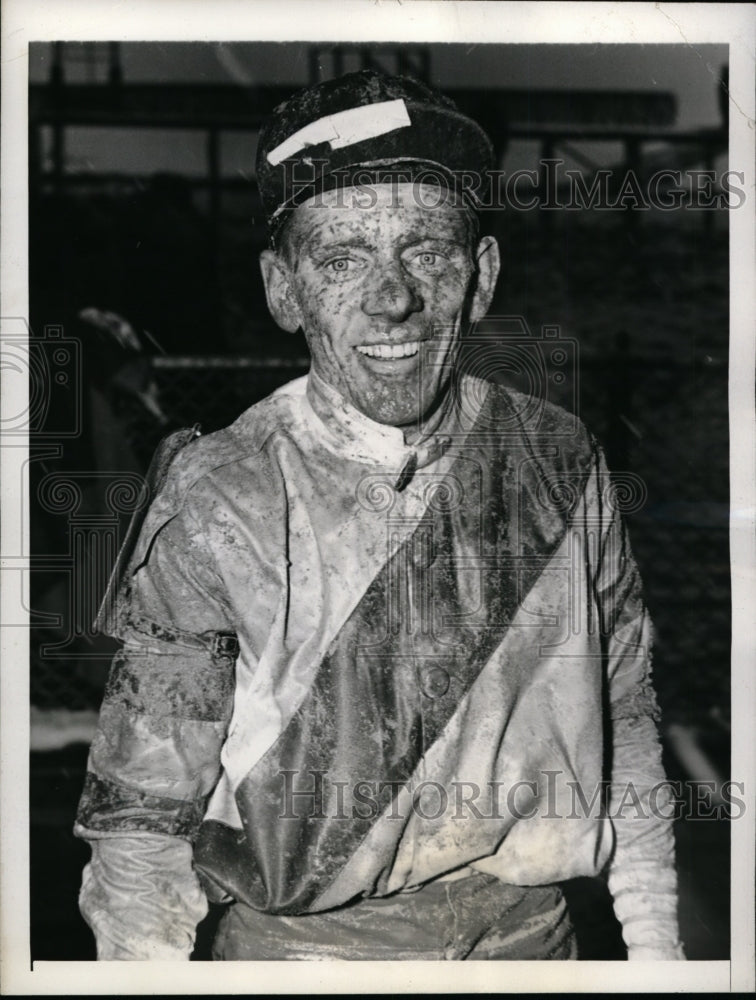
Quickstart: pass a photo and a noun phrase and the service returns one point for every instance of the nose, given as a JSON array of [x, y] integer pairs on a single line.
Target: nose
[[391, 296]]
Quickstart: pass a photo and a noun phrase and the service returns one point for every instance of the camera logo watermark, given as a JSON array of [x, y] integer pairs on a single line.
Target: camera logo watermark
[[44, 374]]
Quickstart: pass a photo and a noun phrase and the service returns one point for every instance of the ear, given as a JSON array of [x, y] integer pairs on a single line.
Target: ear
[[488, 262], [278, 291]]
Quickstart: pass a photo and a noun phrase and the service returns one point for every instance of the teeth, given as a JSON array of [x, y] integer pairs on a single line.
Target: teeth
[[390, 351]]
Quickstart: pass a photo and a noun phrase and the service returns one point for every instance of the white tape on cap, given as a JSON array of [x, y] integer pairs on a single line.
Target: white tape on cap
[[345, 128]]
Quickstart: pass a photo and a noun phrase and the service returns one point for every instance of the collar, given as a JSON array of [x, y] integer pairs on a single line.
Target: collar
[[349, 433]]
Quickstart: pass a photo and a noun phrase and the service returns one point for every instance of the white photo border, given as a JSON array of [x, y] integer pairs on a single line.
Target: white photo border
[[26, 21]]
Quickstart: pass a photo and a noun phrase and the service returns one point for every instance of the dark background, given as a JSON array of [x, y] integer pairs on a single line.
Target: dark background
[[143, 204]]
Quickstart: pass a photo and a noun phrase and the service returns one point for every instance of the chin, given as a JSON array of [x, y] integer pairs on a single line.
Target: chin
[[400, 408], [393, 418], [396, 415]]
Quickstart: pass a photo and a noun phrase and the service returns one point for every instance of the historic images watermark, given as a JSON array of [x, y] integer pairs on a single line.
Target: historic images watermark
[[549, 794], [551, 187]]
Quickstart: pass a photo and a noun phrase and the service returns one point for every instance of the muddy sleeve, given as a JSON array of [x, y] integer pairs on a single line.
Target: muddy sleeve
[[155, 757], [642, 875]]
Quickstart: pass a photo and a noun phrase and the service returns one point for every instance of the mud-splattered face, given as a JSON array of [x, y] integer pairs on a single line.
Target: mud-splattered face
[[381, 281]]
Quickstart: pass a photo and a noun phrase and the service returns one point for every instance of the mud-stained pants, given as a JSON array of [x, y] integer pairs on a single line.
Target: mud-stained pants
[[477, 917]]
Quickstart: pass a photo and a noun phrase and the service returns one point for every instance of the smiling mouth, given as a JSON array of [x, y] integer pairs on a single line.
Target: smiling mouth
[[390, 352]]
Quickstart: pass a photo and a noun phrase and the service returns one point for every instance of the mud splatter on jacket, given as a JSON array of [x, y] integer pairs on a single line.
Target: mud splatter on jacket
[[443, 650]]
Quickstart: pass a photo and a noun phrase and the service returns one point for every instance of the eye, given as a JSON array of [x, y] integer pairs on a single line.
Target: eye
[[427, 261], [343, 268], [427, 258], [339, 264]]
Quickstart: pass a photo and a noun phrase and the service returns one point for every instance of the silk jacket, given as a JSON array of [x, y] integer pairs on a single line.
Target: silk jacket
[[443, 665]]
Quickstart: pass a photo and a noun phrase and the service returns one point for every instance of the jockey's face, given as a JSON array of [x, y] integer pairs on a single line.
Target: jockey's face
[[381, 280]]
